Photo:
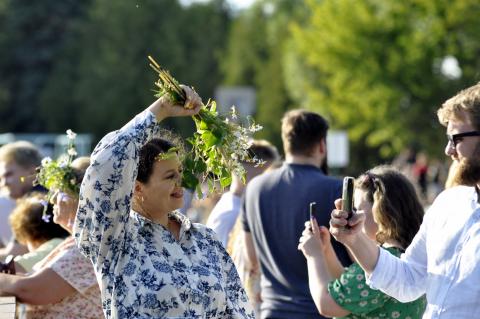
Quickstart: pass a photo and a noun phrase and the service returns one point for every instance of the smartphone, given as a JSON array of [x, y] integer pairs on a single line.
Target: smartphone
[[347, 195], [313, 211]]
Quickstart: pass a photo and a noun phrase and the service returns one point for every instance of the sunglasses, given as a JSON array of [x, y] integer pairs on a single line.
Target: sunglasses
[[455, 138]]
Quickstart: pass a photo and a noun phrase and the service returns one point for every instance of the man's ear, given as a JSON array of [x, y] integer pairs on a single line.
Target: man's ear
[[322, 146]]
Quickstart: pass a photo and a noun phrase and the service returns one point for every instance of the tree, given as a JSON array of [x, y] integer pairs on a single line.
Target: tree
[[255, 56], [33, 34], [374, 68], [104, 70]]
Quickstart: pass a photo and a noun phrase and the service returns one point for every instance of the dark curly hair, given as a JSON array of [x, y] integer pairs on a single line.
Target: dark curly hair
[[150, 151], [396, 207], [27, 224]]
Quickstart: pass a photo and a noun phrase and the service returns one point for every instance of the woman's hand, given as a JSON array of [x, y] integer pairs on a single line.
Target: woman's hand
[[163, 108], [315, 240], [64, 210], [345, 230]]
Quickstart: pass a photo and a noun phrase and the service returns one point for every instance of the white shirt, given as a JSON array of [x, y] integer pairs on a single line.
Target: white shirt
[[6, 207], [442, 261], [224, 215]]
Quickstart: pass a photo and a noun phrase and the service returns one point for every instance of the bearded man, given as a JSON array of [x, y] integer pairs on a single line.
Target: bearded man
[[443, 260]]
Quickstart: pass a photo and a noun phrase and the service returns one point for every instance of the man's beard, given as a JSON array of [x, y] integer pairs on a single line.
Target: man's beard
[[467, 171]]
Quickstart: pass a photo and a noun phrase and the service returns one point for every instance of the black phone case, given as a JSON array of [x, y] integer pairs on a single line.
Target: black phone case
[[313, 210], [347, 195]]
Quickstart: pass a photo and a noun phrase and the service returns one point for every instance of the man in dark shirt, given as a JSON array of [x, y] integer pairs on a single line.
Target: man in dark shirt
[[275, 208]]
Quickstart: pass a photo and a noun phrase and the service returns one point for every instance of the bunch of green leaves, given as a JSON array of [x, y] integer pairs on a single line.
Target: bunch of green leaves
[[59, 175], [219, 145]]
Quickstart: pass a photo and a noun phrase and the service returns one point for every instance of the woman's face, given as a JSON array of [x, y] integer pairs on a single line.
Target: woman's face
[[362, 204], [64, 209], [163, 192]]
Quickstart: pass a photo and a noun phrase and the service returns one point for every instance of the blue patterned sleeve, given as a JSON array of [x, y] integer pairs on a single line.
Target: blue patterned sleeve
[[107, 188], [238, 306]]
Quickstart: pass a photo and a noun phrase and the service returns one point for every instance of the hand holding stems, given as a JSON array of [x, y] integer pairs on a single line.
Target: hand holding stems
[[164, 107]]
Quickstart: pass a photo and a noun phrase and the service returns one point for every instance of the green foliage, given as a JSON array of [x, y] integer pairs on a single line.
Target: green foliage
[[58, 175], [257, 48], [373, 67], [33, 34], [75, 63], [219, 146]]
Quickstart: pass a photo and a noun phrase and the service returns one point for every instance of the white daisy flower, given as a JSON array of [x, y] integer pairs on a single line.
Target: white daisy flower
[[233, 113], [72, 152], [71, 135], [46, 160]]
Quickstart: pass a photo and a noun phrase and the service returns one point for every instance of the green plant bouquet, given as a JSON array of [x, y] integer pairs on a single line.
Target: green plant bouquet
[[220, 144], [58, 175]]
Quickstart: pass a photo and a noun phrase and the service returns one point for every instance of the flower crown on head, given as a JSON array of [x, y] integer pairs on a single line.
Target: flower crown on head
[[58, 175]]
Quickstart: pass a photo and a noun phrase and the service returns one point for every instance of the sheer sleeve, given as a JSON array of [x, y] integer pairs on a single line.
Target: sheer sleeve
[[107, 188]]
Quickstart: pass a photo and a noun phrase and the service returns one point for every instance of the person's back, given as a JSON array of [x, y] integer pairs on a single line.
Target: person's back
[[277, 210], [276, 206]]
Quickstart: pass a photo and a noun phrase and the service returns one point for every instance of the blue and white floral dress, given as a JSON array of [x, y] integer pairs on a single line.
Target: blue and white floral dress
[[143, 271]]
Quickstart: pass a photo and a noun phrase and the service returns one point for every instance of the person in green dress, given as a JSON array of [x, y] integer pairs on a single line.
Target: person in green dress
[[393, 216]]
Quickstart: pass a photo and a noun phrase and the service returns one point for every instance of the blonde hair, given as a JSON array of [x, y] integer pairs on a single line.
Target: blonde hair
[[22, 153], [465, 102]]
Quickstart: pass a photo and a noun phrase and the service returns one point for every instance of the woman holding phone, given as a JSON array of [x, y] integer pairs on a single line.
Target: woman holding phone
[[393, 216]]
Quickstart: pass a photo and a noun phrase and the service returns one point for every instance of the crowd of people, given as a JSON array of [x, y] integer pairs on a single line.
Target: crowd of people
[[114, 241]]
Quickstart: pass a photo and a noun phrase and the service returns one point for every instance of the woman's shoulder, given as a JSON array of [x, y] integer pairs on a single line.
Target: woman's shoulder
[[204, 230]]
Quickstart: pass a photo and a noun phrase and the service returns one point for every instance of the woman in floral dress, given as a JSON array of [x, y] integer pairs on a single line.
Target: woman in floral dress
[[393, 217], [151, 261], [62, 285]]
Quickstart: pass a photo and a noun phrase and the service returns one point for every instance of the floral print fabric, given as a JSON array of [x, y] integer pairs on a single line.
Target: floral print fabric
[[352, 293], [144, 271], [67, 261]]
